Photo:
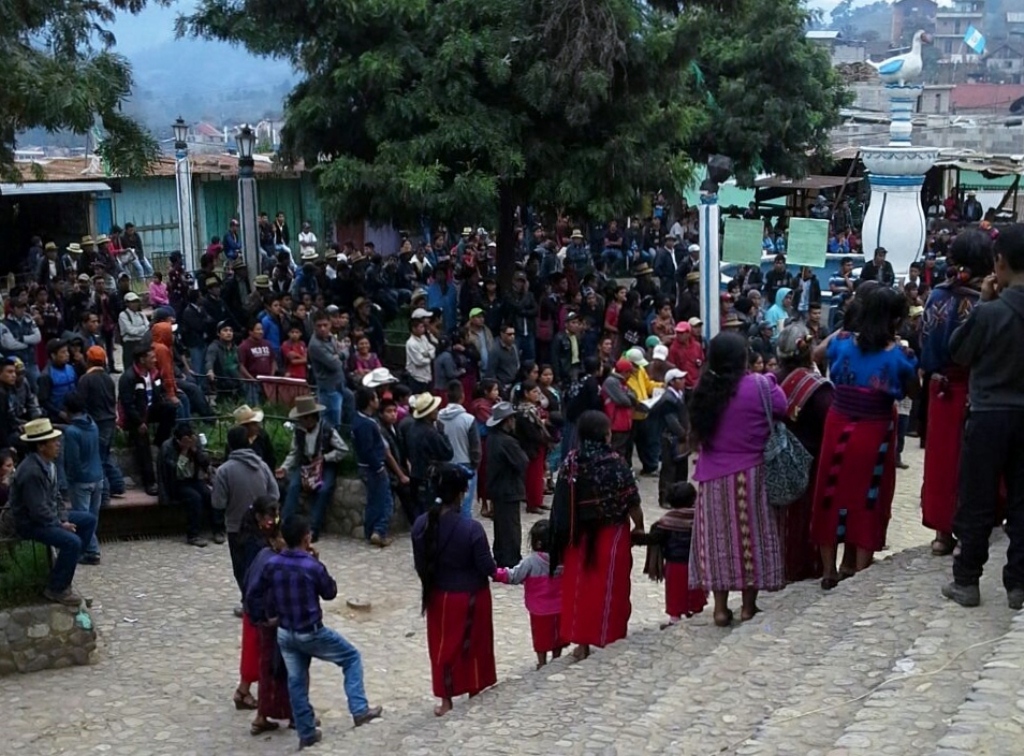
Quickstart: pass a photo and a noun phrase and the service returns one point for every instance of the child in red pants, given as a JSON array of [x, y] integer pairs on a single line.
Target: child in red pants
[[543, 593], [668, 554]]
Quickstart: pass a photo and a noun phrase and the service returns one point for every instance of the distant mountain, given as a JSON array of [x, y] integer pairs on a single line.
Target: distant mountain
[[196, 79]]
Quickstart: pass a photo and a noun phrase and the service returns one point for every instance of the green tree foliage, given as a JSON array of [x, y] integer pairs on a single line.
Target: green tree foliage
[[466, 109], [59, 73], [775, 94]]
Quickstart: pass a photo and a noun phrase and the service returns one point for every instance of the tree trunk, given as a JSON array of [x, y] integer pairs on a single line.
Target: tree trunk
[[507, 252]]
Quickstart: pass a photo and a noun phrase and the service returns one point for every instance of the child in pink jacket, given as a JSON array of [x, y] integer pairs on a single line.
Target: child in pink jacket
[[543, 594]]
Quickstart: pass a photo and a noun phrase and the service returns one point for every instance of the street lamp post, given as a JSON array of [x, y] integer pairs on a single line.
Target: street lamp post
[[183, 182], [718, 170], [247, 200]]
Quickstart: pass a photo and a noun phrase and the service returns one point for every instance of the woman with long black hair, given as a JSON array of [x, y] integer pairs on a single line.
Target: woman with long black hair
[[856, 474], [454, 562], [735, 544]]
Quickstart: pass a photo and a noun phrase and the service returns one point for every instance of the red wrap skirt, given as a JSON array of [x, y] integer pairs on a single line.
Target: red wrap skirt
[[460, 639], [947, 409], [546, 632], [595, 596], [856, 473], [680, 599], [249, 665]]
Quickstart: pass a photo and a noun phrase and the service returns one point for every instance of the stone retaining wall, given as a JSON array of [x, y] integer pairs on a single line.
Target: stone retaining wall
[[344, 517], [46, 636]]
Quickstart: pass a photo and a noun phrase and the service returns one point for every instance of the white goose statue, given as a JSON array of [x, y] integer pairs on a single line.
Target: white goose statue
[[900, 69]]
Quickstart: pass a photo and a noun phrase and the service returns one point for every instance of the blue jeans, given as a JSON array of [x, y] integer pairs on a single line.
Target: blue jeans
[[379, 504], [332, 400], [323, 643], [467, 501], [197, 356], [70, 546], [115, 479], [86, 497], [612, 257], [321, 499]]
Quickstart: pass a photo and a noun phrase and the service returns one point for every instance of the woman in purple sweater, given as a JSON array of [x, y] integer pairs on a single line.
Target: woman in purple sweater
[[735, 545], [454, 562]]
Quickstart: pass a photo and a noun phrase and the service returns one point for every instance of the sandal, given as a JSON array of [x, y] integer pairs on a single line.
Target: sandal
[[244, 701], [723, 620], [941, 547], [258, 728]]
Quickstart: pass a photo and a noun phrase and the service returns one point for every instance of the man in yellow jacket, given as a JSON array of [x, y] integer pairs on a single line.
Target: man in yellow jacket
[[645, 436]]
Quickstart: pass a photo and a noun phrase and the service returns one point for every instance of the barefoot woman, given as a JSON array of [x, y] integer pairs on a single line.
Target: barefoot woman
[[735, 544], [595, 499], [454, 562]]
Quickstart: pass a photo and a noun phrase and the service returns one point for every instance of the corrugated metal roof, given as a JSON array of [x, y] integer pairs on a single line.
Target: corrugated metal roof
[[76, 168], [52, 187]]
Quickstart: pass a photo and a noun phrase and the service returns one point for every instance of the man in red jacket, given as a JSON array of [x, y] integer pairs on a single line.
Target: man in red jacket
[[687, 354]]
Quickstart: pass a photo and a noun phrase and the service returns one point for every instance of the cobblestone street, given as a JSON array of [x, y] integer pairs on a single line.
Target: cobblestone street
[[168, 663]]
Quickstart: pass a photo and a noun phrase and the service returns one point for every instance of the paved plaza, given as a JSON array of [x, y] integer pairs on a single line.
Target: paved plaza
[[168, 664]]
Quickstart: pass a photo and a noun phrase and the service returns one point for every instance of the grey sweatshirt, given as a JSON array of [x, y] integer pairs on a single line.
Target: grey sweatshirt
[[242, 479], [460, 429]]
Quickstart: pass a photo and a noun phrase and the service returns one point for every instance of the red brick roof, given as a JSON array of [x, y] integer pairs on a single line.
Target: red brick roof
[[988, 98]]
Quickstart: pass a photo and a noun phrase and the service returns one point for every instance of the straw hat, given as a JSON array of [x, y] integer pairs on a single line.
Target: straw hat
[[246, 414], [309, 255], [102, 239], [643, 269], [692, 277], [305, 405], [576, 234], [378, 377], [39, 430], [50, 247], [262, 282], [87, 240], [424, 404], [75, 248]]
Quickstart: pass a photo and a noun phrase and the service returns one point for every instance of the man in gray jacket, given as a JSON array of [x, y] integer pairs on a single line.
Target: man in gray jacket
[[459, 427], [242, 479], [325, 359]]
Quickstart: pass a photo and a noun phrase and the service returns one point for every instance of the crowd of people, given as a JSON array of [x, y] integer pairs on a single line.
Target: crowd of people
[[571, 384]]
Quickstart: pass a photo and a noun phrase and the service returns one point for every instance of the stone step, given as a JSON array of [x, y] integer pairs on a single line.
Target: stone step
[[994, 707], [786, 666], [934, 674], [644, 691]]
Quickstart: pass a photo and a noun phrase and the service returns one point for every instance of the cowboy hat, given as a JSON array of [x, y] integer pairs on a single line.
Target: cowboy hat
[[87, 240], [643, 269], [212, 281], [576, 234], [424, 404], [246, 414], [262, 282], [103, 239], [238, 264], [75, 248], [39, 430], [50, 247], [417, 295], [356, 257], [305, 405], [693, 277], [732, 322], [309, 255], [467, 231], [502, 411], [378, 377]]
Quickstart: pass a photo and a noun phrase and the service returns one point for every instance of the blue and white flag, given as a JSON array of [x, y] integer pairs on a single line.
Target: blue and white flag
[[975, 40]]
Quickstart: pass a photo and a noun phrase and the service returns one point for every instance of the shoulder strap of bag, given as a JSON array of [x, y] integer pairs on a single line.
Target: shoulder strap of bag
[[762, 387]]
